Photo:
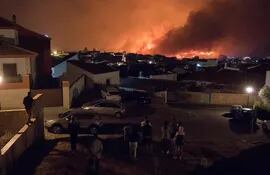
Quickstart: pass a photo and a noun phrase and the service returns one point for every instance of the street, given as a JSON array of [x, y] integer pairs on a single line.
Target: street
[[210, 137]]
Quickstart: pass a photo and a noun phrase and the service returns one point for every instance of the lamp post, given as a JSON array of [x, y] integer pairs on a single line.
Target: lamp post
[[249, 90]]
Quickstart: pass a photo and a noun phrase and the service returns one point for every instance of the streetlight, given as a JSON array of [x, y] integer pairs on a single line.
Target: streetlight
[[1, 79], [249, 89]]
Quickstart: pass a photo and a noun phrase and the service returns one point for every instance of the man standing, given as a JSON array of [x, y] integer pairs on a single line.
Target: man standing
[[96, 148], [147, 136], [28, 104], [73, 127], [133, 139]]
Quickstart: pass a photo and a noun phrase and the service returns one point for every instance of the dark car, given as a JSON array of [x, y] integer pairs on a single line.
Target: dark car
[[239, 113], [141, 97]]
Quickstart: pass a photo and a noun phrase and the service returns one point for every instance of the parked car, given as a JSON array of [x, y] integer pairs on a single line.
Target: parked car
[[90, 122], [239, 113], [60, 125], [141, 97], [106, 107], [111, 93]]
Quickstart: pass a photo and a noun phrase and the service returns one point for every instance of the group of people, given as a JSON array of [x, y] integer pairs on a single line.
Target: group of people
[[172, 138], [95, 146], [135, 135]]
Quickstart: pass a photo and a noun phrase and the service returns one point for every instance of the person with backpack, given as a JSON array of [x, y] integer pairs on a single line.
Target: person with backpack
[[165, 138], [179, 142], [28, 104], [147, 136]]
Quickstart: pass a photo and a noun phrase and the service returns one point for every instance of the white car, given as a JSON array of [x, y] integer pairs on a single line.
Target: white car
[[105, 107], [111, 93]]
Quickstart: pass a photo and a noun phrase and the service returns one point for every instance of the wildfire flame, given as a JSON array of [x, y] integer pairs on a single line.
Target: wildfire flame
[[147, 42]]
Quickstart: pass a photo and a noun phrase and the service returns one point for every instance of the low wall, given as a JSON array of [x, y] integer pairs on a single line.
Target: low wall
[[188, 97], [21, 141], [12, 98], [52, 112], [12, 120], [51, 97], [211, 98]]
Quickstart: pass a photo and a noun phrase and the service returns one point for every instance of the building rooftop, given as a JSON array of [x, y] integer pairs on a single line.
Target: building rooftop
[[93, 68], [7, 50], [7, 24]]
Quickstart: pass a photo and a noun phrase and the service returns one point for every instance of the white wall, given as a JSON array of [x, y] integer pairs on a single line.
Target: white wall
[[61, 68], [23, 65], [172, 76], [114, 78], [12, 98], [76, 88], [74, 71], [267, 79]]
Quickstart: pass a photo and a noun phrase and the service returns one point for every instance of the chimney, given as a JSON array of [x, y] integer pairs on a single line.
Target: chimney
[[14, 18]]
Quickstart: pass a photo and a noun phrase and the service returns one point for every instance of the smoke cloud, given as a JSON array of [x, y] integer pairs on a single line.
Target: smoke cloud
[[232, 27], [102, 24]]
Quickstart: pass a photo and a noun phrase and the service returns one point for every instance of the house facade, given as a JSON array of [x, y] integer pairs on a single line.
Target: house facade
[[17, 73], [21, 37], [98, 73]]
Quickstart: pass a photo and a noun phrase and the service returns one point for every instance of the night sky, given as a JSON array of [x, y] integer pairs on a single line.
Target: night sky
[[101, 24]]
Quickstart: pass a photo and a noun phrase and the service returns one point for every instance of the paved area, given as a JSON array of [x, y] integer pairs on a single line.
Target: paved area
[[210, 137]]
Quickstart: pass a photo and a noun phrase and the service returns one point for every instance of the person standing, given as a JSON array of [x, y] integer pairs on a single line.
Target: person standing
[[73, 127], [96, 148], [133, 139], [179, 142], [165, 138], [28, 104], [147, 136], [172, 127]]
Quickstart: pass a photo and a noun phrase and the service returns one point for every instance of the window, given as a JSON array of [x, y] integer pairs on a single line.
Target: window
[[10, 70]]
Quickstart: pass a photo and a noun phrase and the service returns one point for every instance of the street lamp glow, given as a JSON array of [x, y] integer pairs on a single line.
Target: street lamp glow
[[249, 90], [1, 79]]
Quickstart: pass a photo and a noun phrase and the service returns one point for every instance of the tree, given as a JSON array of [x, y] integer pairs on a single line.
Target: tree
[[263, 105], [264, 95]]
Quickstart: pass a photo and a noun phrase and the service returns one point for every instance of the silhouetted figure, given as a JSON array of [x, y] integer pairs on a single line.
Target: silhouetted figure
[[165, 138], [147, 136], [172, 127], [28, 104], [179, 142], [96, 148], [73, 127], [133, 138]]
